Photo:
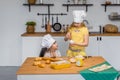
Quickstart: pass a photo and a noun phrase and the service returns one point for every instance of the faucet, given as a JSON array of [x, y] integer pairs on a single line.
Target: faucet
[[86, 21], [87, 24]]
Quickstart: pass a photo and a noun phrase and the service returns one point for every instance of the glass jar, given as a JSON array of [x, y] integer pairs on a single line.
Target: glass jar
[[84, 1], [41, 1], [76, 1]]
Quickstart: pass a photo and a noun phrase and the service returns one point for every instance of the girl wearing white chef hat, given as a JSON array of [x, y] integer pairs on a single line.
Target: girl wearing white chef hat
[[77, 35], [49, 47]]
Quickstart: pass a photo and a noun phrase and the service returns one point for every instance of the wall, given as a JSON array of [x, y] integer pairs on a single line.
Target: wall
[[13, 16]]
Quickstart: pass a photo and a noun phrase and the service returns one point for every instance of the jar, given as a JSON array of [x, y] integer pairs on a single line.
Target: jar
[[76, 1], [41, 1], [84, 1], [31, 1], [118, 1], [79, 62]]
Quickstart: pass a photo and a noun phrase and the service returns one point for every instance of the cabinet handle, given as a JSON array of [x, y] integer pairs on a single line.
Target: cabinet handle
[[100, 38], [97, 38]]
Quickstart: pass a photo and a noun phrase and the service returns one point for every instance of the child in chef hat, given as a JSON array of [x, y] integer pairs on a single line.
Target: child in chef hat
[[49, 47], [77, 35], [79, 16]]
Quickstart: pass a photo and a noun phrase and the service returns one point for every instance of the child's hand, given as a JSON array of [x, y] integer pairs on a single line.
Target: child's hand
[[71, 42], [68, 36]]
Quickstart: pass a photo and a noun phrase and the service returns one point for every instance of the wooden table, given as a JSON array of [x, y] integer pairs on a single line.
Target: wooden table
[[29, 72]]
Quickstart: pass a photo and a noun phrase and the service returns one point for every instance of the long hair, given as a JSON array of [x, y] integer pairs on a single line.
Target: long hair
[[42, 52]]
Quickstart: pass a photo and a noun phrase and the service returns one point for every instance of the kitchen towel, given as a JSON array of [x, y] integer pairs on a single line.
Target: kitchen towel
[[108, 74]]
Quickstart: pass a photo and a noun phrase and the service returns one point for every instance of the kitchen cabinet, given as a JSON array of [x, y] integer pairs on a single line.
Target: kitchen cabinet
[[107, 47], [31, 46], [93, 47]]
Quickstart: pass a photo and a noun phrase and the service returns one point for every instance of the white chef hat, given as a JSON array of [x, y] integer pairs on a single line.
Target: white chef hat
[[47, 41], [79, 15]]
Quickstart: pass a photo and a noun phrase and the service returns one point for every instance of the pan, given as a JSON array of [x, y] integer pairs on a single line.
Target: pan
[[57, 26]]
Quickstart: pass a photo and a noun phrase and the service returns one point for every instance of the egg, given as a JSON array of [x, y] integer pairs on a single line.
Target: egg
[[72, 60]]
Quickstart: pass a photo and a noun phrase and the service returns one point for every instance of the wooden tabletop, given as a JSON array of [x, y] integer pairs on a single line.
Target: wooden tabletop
[[28, 68]]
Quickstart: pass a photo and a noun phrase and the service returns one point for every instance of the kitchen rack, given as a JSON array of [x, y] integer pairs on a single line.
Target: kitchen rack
[[114, 17], [105, 5], [48, 5], [57, 14], [86, 5], [52, 14]]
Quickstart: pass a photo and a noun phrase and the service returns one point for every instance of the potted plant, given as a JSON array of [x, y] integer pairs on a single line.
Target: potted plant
[[30, 26], [31, 1]]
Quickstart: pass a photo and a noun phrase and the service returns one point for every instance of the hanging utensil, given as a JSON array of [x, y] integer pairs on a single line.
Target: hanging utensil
[[45, 22], [52, 20], [57, 26], [42, 21]]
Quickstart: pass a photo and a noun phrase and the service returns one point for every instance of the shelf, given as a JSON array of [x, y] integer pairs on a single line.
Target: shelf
[[37, 34], [48, 5], [86, 5], [105, 5]]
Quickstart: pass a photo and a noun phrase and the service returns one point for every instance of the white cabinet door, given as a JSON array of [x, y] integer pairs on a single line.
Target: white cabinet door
[[93, 46], [30, 47], [110, 50], [107, 47]]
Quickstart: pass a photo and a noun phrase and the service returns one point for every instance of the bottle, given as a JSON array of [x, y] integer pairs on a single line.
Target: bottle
[[101, 29], [63, 28], [68, 1], [41, 1], [67, 28], [79, 60], [114, 2], [118, 1]]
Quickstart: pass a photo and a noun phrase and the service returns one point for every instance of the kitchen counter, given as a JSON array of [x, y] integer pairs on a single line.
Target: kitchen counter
[[29, 72], [63, 34]]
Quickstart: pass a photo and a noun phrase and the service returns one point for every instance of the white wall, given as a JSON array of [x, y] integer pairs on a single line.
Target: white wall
[[13, 16]]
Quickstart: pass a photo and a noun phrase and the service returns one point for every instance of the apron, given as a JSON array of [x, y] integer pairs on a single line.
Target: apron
[[77, 35]]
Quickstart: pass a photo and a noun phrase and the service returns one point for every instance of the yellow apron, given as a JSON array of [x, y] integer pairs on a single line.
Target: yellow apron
[[77, 35]]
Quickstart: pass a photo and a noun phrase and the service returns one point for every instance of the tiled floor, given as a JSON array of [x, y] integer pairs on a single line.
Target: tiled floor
[[8, 72]]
